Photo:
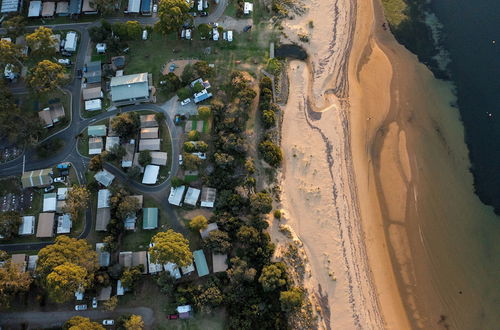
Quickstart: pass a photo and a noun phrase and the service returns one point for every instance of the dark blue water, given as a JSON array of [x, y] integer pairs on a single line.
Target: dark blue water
[[471, 28]]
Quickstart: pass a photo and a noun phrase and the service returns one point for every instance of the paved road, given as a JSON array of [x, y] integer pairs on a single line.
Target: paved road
[[56, 319]]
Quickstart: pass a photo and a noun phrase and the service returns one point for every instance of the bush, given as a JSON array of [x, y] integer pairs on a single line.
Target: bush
[[176, 182], [184, 93], [193, 135], [268, 118], [204, 112], [198, 223], [198, 87], [277, 214], [274, 66], [271, 153], [144, 158]]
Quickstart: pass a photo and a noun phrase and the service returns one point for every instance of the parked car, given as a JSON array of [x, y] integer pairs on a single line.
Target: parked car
[[177, 119], [188, 34], [193, 14], [65, 53], [94, 302], [49, 188], [183, 34], [155, 8], [64, 61], [203, 13], [186, 101], [200, 155], [59, 180], [247, 28], [80, 307], [180, 160], [79, 73], [108, 322], [173, 316]]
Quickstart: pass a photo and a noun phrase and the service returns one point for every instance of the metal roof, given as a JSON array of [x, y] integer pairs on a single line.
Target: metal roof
[[27, 226], [176, 194], [149, 144], [37, 178], [134, 6], [102, 219], [103, 196], [45, 226], [151, 174], [201, 263], [9, 6], [208, 196], [150, 218], [96, 130], [104, 177], [192, 196], [158, 158], [75, 7], [35, 9], [128, 87], [49, 202]]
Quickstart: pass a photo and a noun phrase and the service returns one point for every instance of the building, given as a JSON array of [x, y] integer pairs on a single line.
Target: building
[[88, 8], [140, 258], [37, 178], [19, 260], [102, 255], [219, 262], [192, 196], [75, 7], [146, 7], [130, 89], [149, 144], [45, 226], [229, 36], [92, 72], [120, 290], [95, 145], [117, 63], [150, 218], [48, 9], [93, 105], [96, 130], [62, 8], [112, 141], [184, 311], [152, 267], [130, 221], [134, 6], [64, 224], [10, 6], [201, 96], [247, 8], [49, 202], [176, 194], [201, 263], [158, 158], [52, 114], [103, 196], [102, 219], [151, 174], [104, 294], [92, 93], [62, 193], [128, 159], [148, 121], [71, 42], [27, 226], [211, 227], [35, 9], [125, 259], [104, 177], [60, 205], [173, 270], [149, 133], [186, 270], [32, 261], [208, 197]]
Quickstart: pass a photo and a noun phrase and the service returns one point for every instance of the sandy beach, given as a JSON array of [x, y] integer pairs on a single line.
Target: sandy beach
[[376, 182]]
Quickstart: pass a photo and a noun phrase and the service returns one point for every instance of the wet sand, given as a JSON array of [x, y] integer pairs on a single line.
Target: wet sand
[[376, 183]]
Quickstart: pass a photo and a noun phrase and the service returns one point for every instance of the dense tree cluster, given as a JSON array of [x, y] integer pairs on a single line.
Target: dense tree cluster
[[9, 223], [115, 35], [12, 280], [126, 125]]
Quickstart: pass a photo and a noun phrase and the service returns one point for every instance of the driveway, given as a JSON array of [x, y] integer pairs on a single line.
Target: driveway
[[37, 320]]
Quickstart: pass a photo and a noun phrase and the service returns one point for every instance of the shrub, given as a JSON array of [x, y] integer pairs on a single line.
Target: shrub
[[198, 223], [268, 118], [144, 158], [193, 135], [271, 153], [184, 93], [204, 112]]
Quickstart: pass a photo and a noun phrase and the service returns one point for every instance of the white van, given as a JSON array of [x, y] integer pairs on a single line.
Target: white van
[[145, 35]]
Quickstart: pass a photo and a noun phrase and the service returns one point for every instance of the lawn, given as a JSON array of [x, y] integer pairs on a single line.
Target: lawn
[[166, 145]]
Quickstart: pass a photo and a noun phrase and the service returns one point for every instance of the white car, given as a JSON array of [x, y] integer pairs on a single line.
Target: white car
[[188, 34], [64, 61], [180, 160], [59, 179], [155, 8], [186, 101], [94, 302], [200, 155], [80, 307], [108, 322]]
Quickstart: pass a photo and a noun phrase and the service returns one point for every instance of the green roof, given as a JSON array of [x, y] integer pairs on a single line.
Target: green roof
[[97, 130], [150, 218], [201, 263], [37, 178]]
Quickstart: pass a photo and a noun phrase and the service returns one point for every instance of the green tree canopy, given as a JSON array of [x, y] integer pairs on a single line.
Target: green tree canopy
[[209, 298], [95, 163], [9, 223], [45, 77], [204, 112], [10, 53], [291, 299], [204, 30], [261, 203], [104, 7], [218, 241], [126, 125], [190, 162], [145, 158], [273, 277], [170, 246], [184, 93], [127, 206], [134, 30], [271, 153], [203, 69], [15, 26], [193, 135], [172, 14], [81, 323], [130, 277]]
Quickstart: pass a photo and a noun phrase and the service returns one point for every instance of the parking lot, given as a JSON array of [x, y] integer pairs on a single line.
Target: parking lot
[[17, 202]]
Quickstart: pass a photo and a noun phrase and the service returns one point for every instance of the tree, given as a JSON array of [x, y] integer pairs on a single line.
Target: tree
[[218, 241], [77, 201], [118, 151], [198, 223], [209, 298], [126, 125], [261, 203], [268, 118], [82, 323], [203, 69], [198, 87], [291, 299], [104, 7], [46, 76], [67, 250], [188, 74], [10, 53], [172, 15], [177, 182], [170, 246], [184, 93], [274, 66], [130, 277], [128, 206], [193, 135], [273, 277], [101, 33], [224, 160], [134, 322], [110, 304], [240, 272], [42, 42], [134, 30], [15, 26], [271, 153], [204, 112], [12, 281], [170, 82], [144, 158], [134, 172], [9, 223], [190, 162], [95, 163], [266, 82], [204, 30], [65, 280]]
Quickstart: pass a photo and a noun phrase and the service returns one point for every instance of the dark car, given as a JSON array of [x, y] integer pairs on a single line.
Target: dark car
[[247, 28], [65, 53], [79, 73], [173, 316], [203, 13]]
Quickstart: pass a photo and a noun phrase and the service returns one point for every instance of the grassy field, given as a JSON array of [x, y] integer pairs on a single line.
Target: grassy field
[[395, 11]]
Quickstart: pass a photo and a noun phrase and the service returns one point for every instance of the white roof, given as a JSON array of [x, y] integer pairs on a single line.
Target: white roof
[[120, 290], [111, 141], [175, 197], [103, 198], [187, 269], [104, 177], [102, 255], [32, 260], [27, 227], [62, 193], [93, 105], [192, 196], [173, 269], [9, 6], [64, 224], [153, 268], [184, 309], [229, 35], [79, 294], [35, 9], [151, 174], [101, 47], [134, 6], [49, 202], [208, 196], [71, 40], [247, 7]]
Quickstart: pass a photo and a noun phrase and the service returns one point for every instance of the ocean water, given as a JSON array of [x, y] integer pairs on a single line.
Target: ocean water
[[470, 32]]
